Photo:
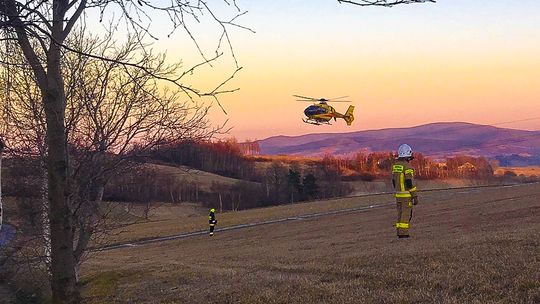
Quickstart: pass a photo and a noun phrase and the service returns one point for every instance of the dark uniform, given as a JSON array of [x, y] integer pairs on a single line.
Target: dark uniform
[[405, 193], [212, 220]]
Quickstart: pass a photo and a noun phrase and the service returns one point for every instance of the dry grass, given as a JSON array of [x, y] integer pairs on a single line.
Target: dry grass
[[185, 174], [171, 219], [189, 221], [527, 171], [284, 158], [468, 246], [166, 211], [385, 184]]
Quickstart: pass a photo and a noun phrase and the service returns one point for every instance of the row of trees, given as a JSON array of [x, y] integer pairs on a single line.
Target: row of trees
[[278, 184], [281, 184], [370, 166], [223, 157], [230, 158]]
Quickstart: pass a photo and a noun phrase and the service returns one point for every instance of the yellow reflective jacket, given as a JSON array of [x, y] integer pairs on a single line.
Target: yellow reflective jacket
[[403, 180]]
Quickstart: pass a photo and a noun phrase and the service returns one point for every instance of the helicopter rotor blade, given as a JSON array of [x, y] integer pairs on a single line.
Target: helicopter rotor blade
[[311, 99], [304, 97], [331, 99]]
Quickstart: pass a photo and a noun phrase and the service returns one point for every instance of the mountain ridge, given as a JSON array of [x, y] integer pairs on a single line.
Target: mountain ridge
[[435, 139]]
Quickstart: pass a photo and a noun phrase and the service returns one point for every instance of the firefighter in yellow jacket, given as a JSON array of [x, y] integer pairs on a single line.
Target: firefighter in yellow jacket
[[405, 191], [212, 221]]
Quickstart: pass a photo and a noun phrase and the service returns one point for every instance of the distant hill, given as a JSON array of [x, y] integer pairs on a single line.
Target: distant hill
[[184, 174], [436, 139]]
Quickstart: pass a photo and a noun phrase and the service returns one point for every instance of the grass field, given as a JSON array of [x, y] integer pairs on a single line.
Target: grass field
[[162, 223], [527, 171], [385, 184], [185, 174], [468, 246], [171, 219]]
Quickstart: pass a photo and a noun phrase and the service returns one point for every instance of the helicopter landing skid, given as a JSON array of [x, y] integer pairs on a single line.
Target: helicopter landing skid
[[315, 122]]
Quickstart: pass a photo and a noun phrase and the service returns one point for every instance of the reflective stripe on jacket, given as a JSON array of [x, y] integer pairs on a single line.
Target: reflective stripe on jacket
[[403, 180]]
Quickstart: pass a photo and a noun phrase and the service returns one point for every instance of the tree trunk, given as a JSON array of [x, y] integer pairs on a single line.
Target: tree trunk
[[146, 210], [1, 206], [97, 196], [88, 221], [171, 193], [45, 219], [46, 228], [63, 279]]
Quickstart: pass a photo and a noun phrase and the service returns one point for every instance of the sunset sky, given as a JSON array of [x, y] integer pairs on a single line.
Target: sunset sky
[[456, 60]]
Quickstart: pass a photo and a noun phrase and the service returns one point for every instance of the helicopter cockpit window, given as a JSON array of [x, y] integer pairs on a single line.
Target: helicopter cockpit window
[[314, 110]]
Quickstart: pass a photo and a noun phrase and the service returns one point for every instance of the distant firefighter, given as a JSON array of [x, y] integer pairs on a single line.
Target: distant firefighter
[[405, 191], [212, 220]]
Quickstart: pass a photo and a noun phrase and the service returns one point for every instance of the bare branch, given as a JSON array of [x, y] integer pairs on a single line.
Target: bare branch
[[8, 9], [73, 18]]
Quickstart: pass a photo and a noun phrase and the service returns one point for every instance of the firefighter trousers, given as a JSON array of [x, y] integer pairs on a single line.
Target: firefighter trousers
[[404, 216], [212, 226]]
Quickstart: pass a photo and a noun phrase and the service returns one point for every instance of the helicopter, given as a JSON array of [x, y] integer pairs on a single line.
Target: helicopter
[[321, 112]]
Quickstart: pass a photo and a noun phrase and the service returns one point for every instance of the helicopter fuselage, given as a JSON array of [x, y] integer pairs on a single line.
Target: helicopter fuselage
[[321, 113]]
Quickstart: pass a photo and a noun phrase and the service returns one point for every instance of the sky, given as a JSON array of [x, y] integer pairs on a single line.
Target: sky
[[455, 60]]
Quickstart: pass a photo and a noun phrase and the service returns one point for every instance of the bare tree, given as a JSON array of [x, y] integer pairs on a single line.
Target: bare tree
[[117, 113], [387, 3], [114, 114], [40, 29]]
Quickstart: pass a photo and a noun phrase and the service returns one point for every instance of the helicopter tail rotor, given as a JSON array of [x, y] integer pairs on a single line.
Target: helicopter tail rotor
[[349, 117]]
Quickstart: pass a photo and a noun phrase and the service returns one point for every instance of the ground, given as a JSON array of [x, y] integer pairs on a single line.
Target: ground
[[467, 246]]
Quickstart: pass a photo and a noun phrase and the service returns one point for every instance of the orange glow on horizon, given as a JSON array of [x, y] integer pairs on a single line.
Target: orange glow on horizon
[[458, 62]]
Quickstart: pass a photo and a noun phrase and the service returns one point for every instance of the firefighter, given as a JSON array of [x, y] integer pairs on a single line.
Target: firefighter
[[212, 220], [405, 191]]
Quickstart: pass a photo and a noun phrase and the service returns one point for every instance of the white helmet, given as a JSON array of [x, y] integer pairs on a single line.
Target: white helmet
[[404, 151]]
